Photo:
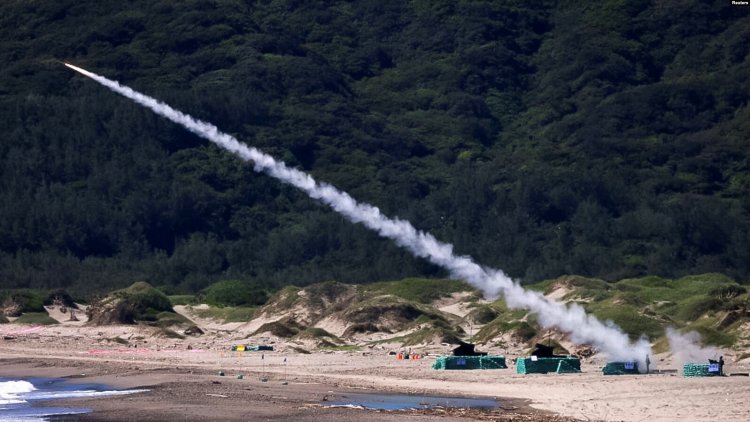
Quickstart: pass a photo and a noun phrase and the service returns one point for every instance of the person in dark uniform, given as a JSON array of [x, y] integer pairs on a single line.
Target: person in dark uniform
[[721, 365], [648, 362]]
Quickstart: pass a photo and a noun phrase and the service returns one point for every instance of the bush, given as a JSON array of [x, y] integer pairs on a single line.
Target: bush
[[62, 296], [139, 302], [27, 300], [483, 315], [234, 293], [145, 298]]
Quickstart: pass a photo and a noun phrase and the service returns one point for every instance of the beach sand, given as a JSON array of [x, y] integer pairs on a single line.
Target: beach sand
[[182, 376]]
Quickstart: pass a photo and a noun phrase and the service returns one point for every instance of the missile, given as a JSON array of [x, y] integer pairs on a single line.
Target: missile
[[79, 70]]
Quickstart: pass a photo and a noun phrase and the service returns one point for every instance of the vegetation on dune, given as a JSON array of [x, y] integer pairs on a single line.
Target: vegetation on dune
[[286, 297], [384, 316], [710, 334], [18, 301], [176, 300], [170, 319], [419, 290], [483, 314], [322, 337], [430, 335], [629, 318], [284, 328], [311, 303], [227, 313], [138, 303], [329, 295], [36, 318], [234, 293], [389, 313], [362, 328], [377, 308], [144, 296], [544, 138], [519, 331], [715, 306]]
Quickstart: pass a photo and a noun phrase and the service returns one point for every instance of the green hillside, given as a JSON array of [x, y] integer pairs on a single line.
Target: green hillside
[[607, 139]]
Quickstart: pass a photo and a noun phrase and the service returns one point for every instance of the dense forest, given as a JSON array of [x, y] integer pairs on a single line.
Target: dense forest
[[602, 138]]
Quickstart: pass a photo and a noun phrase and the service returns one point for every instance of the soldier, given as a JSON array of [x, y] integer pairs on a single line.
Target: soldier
[[648, 362]]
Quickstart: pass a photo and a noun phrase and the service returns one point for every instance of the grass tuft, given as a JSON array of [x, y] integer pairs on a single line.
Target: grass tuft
[[36, 318]]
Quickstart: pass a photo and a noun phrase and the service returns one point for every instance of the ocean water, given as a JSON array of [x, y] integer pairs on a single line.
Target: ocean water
[[23, 399]]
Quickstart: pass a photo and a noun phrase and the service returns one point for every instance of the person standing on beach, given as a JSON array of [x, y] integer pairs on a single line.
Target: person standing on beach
[[648, 362]]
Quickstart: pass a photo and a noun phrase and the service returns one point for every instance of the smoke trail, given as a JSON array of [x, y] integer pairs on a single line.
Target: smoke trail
[[583, 328], [685, 347]]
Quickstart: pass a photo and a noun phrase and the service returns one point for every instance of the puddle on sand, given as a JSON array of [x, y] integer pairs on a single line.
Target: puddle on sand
[[405, 402]]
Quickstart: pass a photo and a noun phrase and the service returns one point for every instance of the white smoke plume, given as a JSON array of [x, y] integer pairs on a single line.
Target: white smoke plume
[[582, 328], [686, 349]]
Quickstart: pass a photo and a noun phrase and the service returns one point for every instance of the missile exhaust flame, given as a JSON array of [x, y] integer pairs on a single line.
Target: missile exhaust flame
[[573, 320]]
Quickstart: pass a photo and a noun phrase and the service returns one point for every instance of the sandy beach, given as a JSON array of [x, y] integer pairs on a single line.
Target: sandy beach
[[183, 379]]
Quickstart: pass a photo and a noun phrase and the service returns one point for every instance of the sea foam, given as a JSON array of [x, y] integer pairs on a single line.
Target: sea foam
[[11, 391]]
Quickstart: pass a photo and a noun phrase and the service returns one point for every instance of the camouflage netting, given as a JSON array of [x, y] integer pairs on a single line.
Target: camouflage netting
[[620, 368], [567, 367], [544, 365], [699, 370], [469, 362]]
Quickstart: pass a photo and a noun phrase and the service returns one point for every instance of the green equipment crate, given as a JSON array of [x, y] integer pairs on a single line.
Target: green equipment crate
[[469, 362], [700, 370], [564, 365], [620, 368]]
